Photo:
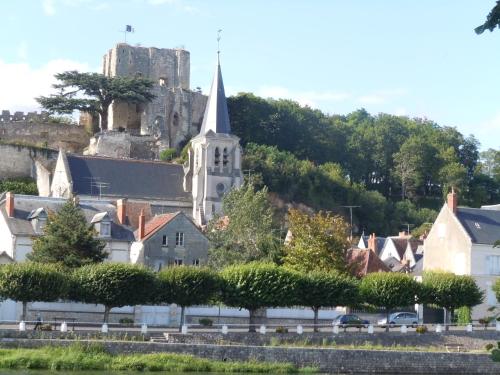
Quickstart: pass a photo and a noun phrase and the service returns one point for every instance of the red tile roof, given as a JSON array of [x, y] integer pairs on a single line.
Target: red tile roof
[[156, 223], [364, 261]]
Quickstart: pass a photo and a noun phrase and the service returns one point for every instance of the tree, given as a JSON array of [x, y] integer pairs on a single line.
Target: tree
[[187, 286], [492, 20], [388, 290], [256, 285], [32, 282], [450, 291], [68, 239], [19, 186], [113, 285], [319, 242], [94, 93], [246, 232], [318, 289]]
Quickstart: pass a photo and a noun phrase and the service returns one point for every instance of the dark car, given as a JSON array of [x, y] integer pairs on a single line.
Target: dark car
[[350, 320]]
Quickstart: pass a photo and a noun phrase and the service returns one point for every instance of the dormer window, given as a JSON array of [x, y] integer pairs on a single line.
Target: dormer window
[[217, 157], [38, 219], [225, 157], [102, 224]]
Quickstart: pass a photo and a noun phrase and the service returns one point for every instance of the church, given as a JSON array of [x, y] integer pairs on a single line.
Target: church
[[196, 188]]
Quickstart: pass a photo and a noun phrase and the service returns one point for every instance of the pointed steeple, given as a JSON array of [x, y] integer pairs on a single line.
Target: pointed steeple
[[216, 116]]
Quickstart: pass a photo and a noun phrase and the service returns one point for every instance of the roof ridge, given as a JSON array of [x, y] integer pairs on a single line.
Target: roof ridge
[[100, 157]]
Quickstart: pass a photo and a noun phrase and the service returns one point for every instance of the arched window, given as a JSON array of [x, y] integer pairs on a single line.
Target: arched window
[[217, 156], [225, 157]]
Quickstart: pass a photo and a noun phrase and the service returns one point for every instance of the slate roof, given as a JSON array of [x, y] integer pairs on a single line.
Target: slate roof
[[127, 178], [25, 204], [482, 225], [216, 117], [393, 264], [400, 243], [380, 243]]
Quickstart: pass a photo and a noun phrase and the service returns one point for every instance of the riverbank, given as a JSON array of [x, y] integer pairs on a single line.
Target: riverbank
[[95, 357]]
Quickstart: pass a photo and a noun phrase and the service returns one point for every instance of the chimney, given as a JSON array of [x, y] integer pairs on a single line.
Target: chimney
[[372, 243], [9, 204], [403, 234], [142, 225], [121, 211], [453, 201]]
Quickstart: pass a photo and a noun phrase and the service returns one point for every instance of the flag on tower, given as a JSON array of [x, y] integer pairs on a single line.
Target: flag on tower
[[129, 29]]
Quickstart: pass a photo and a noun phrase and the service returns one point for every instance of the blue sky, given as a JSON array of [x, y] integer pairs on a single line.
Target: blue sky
[[419, 58]]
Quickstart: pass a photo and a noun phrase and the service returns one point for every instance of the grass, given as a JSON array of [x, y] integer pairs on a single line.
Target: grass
[[95, 357]]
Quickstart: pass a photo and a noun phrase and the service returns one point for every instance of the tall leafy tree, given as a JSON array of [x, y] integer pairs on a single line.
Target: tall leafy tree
[[245, 231], [319, 242], [32, 282], [113, 285], [68, 239], [492, 20], [256, 285], [187, 286], [94, 93], [389, 290], [318, 289], [450, 291]]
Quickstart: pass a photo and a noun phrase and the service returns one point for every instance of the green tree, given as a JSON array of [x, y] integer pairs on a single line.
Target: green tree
[[450, 291], [32, 282], [246, 231], [94, 93], [389, 290], [113, 285], [187, 286], [68, 239], [492, 20], [19, 186], [319, 242], [318, 289], [256, 285]]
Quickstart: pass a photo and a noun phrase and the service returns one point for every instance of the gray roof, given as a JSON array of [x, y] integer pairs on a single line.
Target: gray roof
[[380, 243], [216, 117], [26, 204], [127, 178], [482, 225]]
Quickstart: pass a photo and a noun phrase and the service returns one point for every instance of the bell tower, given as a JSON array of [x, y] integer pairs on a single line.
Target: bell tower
[[214, 156]]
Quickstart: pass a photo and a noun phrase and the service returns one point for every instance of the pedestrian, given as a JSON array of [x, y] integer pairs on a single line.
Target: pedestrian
[[38, 323]]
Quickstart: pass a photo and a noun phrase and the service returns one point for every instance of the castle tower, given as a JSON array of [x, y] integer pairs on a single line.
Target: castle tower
[[214, 157]]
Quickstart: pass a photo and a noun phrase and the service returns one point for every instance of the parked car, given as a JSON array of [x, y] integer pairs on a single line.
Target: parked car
[[400, 318], [350, 320]]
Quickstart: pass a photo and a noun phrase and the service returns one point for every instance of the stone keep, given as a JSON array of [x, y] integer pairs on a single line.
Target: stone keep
[[176, 112], [214, 165]]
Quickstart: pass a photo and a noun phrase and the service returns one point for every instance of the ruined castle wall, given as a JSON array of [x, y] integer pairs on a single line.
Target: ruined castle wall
[[19, 161], [34, 129]]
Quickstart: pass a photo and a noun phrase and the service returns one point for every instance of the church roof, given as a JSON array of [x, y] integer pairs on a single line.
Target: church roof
[[216, 118], [126, 178]]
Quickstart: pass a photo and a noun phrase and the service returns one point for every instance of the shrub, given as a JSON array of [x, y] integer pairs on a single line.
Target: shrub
[[168, 154], [206, 322], [421, 329], [126, 321], [488, 347], [281, 329], [463, 315], [45, 327]]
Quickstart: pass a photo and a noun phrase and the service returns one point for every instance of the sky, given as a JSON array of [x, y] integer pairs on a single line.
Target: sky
[[412, 58]]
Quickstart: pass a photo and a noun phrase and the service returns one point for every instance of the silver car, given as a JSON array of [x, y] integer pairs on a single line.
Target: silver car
[[400, 318]]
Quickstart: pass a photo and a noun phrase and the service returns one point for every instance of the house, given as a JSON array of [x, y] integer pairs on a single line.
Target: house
[[372, 242], [397, 246], [169, 239], [23, 217], [461, 241], [364, 261]]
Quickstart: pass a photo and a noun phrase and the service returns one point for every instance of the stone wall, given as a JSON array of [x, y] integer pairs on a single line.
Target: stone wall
[[34, 129], [19, 161], [327, 360]]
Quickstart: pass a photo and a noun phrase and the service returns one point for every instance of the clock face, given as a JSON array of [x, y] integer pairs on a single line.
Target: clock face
[[220, 188]]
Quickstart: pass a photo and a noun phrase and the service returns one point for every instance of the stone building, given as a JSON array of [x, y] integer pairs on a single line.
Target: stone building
[[175, 114]]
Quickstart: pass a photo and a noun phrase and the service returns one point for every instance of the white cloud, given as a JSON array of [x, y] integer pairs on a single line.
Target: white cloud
[[21, 83], [49, 7], [309, 98], [381, 96]]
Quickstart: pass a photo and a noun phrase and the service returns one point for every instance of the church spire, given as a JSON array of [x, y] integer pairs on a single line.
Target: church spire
[[216, 117]]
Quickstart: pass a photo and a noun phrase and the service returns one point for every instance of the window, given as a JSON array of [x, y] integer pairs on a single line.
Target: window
[[493, 264], [164, 241], [196, 262], [217, 156], [225, 157], [178, 262], [105, 229], [179, 239], [162, 81]]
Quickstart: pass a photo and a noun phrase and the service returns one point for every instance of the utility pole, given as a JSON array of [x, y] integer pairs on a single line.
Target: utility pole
[[350, 212], [408, 225]]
